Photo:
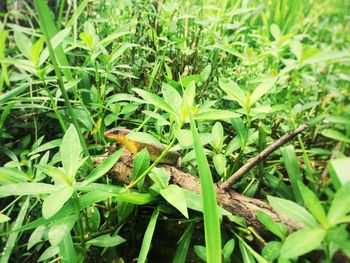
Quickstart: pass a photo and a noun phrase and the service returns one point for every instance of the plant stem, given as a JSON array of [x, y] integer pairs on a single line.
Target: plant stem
[[143, 175]]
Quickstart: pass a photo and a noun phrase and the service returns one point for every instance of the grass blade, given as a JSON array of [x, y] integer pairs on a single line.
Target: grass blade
[[146, 242], [210, 211]]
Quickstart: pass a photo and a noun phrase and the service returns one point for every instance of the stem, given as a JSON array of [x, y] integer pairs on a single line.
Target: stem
[[60, 82], [79, 221], [143, 175], [261, 156]]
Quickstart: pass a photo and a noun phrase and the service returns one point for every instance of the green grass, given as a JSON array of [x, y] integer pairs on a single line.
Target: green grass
[[217, 82]]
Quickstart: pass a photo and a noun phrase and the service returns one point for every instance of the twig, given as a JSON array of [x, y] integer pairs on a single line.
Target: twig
[[261, 156]]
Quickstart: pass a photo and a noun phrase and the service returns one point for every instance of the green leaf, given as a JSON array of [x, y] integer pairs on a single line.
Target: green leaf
[[36, 50], [302, 242], [12, 176], [279, 229], [36, 236], [27, 189], [339, 171], [187, 100], [275, 31], [67, 251], [340, 205], [294, 173], [106, 241], [4, 218], [313, 204], [335, 135], [49, 253], [262, 89], [184, 244], [292, 210], [228, 250], [11, 242], [155, 100], [103, 168], [272, 250], [219, 161], [55, 201], [175, 196], [141, 163], [46, 146], [216, 115], [144, 138], [234, 91], [56, 173], [87, 39], [147, 238], [60, 228], [172, 97], [205, 73], [211, 215], [137, 198], [70, 152], [24, 44]]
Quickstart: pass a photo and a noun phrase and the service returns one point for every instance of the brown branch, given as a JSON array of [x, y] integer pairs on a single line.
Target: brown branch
[[261, 156], [229, 199]]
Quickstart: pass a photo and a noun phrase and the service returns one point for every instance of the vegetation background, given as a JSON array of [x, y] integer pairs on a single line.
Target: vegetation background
[[216, 80]]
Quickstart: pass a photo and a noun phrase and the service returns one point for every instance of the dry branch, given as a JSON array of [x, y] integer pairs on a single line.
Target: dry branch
[[261, 156], [229, 199]]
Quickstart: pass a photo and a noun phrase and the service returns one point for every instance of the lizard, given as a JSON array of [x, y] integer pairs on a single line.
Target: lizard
[[120, 135]]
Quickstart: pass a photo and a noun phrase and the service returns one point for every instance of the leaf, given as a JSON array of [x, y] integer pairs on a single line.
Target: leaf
[[294, 173], [55, 201], [279, 229], [26, 189], [292, 210], [228, 250], [144, 137], [216, 115], [103, 168], [36, 236], [339, 171], [87, 39], [340, 204], [302, 242], [335, 135], [56, 173], [184, 244], [147, 238], [46, 146], [36, 50], [49, 253], [275, 32], [325, 56], [12, 176], [313, 204], [272, 250], [219, 161], [106, 241], [11, 241], [70, 152], [155, 100], [188, 100], [172, 97], [296, 48], [60, 228], [141, 163], [211, 216], [24, 44], [4, 218], [233, 90], [175, 196], [262, 89], [205, 73]]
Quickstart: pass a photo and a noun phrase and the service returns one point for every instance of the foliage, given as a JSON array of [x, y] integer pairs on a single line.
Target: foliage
[[216, 81]]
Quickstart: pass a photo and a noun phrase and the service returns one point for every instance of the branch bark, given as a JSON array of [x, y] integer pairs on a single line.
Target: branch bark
[[229, 199], [261, 156]]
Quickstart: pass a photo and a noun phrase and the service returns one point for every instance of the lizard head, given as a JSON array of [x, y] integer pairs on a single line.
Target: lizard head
[[119, 135], [116, 134]]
